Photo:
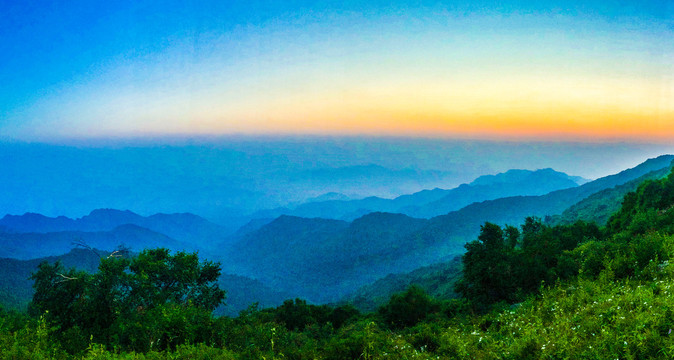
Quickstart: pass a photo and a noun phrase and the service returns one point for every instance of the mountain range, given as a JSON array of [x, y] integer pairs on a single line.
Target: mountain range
[[35, 235], [325, 259], [430, 203]]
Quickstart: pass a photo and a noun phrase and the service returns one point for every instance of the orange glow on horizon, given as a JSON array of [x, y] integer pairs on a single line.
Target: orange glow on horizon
[[523, 108]]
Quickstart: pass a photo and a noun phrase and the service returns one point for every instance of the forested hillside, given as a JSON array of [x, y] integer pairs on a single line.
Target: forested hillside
[[437, 280], [533, 291], [599, 206], [324, 260], [16, 288]]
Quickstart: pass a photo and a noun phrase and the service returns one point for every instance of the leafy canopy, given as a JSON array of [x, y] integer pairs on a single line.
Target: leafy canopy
[[128, 300]]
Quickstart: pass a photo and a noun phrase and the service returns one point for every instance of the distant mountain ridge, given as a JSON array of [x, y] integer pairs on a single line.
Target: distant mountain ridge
[[490, 187], [191, 230], [430, 203], [599, 206], [518, 175], [324, 260], [513, 210], [35, 245]]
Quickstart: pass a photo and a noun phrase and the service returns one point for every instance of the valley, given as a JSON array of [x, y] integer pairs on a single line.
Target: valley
[[320, 258]]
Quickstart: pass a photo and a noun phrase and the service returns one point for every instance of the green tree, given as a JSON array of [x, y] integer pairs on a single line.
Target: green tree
[[130, 302], [488, 272], [61, 293], [408, 308]]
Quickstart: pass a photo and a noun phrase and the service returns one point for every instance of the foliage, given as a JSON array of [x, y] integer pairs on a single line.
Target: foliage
[[153, 301], [505, 265], [408, 308], [599, 207], [297, 315], [579, 291], [436, 280]]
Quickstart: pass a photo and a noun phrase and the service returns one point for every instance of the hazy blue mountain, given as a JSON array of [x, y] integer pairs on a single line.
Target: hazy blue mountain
[[323, 260], [526, 176], [192, 231], [328, 197], [285, 236], [251, 226], [513, 210], [429, 203], [332, 209], [35, 245], [510, 183]]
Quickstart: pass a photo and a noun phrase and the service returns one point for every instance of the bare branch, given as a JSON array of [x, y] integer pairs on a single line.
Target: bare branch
[[78, 242], [65, 278], [122, 250]]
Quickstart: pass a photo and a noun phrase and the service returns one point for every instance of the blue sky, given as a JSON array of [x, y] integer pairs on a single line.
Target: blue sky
[[151, 68], [131, 74]]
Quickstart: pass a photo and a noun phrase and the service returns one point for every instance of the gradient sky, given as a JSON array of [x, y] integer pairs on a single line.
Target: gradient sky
[[569, 70]]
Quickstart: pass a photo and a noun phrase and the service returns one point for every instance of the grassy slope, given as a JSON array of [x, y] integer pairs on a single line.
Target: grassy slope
[[601, 319]]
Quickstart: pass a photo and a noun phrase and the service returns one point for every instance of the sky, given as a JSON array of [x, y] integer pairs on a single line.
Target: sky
[[516, 70]]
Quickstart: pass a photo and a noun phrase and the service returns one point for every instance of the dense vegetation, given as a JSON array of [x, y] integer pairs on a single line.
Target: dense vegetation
[[322, 261], [437, 280], [599, 206], [537, 291]]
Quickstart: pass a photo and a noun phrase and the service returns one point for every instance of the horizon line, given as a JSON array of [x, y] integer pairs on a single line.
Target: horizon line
[[197, 138]]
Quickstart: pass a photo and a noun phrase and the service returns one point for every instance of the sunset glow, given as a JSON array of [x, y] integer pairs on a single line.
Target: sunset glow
[[591, 72]]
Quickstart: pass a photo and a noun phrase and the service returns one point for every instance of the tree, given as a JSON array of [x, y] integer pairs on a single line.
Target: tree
[[294, 314], [487, 267], [408, 308], [512, 236], [149, 292], [159, 278], [60, 293]]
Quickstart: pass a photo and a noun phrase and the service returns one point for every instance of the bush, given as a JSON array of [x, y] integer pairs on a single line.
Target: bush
[[408, 308]]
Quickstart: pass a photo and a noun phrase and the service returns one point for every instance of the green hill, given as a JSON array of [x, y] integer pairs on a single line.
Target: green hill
[[437, 280], [324, 260], [541, 292], [16, 289], [599, 206]]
